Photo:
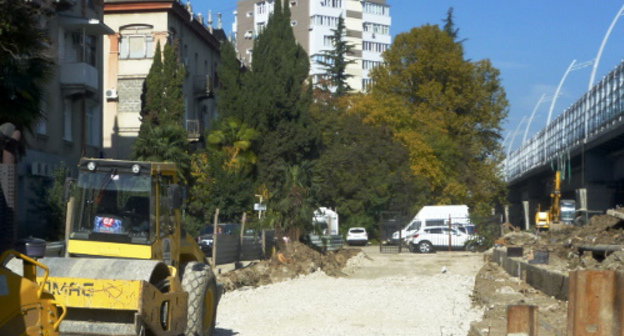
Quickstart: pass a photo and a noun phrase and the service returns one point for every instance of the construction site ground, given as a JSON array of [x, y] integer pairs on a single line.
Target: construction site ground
[[371, 294], [362, 291]]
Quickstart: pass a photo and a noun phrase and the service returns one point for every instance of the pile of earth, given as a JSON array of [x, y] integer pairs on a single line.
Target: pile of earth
[[564, 245], [293, 259]]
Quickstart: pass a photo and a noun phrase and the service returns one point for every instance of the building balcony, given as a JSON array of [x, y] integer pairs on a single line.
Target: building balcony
[[79, 74], [192, 130], [203, 86]]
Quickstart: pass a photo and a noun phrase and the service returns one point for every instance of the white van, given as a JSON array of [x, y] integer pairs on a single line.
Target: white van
[[434, 215]]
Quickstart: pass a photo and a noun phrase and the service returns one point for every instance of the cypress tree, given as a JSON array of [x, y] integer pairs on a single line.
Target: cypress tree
[[152, 99], [229, 92], [336, 61], [173, 73], [278, 101], [162, 136]]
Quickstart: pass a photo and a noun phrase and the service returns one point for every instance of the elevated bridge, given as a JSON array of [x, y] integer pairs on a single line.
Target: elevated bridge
[[586, 142]]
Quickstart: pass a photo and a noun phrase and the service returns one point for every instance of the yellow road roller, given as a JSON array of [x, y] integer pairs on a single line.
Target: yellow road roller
[[129, 268], [26, 309]]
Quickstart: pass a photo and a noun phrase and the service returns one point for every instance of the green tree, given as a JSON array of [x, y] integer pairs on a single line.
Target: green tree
[[449, 24], [162, 136], [277, 100], [292, 209], [336, 62], [223, 173], [24, 64], [362, 169], [230, 74], [447, 112], [235, 139], [152, 99]]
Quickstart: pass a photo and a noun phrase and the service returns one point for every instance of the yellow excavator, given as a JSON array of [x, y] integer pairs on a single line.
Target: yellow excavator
[[560, 211], [130, 269], [26, 308]]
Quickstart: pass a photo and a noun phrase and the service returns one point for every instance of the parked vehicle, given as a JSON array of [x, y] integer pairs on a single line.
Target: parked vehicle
[[428, 239], [357, 236], [433, 215]]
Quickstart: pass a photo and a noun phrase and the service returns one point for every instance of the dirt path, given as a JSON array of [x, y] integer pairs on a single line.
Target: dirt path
[[383, 294]]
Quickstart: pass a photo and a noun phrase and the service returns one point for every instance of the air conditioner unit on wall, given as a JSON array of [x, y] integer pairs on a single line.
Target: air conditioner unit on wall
[[111, 94]]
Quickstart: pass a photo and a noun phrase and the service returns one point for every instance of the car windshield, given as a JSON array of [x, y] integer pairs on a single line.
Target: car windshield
[[113, 207], [208, 230], [357, 231]]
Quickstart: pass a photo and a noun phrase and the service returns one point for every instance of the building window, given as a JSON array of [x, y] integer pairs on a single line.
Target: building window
[[93, 133], [328, 41], [261, 7], [136, 42], [331, 3], [374, 47], [376, 28], [260, 27], [369, 65], [67, 120], [323, 20], [322, 59], [42, 126], [377, 9], [366, 84]]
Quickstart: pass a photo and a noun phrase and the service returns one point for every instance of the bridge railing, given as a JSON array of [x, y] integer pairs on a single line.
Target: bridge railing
[[596, 112]]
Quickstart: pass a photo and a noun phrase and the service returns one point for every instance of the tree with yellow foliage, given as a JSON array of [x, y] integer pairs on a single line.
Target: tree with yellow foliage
[[446, 110]]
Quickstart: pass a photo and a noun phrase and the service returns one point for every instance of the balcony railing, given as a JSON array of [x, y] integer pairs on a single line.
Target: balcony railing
[[79, 74]]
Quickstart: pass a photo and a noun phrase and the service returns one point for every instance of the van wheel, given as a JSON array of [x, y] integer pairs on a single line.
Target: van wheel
[[425, 247]]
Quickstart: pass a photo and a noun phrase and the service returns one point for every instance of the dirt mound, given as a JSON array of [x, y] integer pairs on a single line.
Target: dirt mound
[[564, 245], [292, 260]]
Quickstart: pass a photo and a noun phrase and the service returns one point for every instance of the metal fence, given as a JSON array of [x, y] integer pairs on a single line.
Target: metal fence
[[596, 112], [231, 248], [389, 224], [325, 242]]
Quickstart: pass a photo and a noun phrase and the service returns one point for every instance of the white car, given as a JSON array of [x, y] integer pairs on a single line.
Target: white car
[[431, 238], [357, 236]]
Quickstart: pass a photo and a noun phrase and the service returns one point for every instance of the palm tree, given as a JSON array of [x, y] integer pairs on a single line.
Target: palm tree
[[234, 140]]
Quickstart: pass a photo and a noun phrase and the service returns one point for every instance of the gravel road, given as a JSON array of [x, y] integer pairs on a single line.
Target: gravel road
[[383, 294]]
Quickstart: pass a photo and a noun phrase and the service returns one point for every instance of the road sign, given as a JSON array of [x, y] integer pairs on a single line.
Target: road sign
[[259, 207]]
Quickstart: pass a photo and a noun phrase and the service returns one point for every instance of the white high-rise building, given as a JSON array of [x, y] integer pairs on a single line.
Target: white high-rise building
[[367, 25]]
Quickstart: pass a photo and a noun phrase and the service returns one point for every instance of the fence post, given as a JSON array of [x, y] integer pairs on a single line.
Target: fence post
[[592, 305], [522, 320], [240, 241], [215, 234], [264, 243]]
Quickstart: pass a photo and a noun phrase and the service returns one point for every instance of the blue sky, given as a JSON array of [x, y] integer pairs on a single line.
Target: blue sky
[[532, 43]]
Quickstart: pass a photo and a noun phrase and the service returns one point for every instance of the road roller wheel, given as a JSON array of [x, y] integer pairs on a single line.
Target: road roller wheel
[[199, 282]]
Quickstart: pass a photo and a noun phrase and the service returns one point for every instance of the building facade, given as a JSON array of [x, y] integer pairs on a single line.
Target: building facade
[[138, 26], [313, 21], [71, 109]]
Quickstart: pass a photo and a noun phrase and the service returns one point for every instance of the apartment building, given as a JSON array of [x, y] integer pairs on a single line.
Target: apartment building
[[367, 30], [138, 26], [71, 107]]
